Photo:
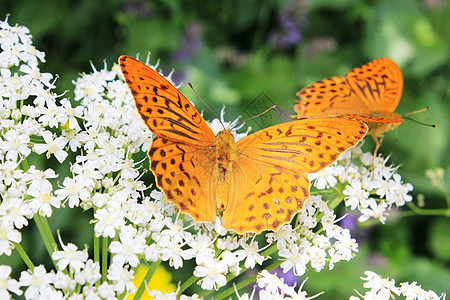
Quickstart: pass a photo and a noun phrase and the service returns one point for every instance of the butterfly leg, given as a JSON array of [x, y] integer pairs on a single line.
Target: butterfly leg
[[378, 144]]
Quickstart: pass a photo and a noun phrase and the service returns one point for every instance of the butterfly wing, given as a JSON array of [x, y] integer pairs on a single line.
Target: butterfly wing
[[269, 181], [372, 90], [165, 111], [329, 97], [181, 155], [185, 174], [378, 84]]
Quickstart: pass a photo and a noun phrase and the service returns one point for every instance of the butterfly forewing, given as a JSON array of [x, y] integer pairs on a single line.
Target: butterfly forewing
[[163, 108], [306, 145], [378, 84], [269, 181]]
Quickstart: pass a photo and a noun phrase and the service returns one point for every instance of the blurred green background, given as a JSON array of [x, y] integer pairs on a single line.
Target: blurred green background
[[250, 55]]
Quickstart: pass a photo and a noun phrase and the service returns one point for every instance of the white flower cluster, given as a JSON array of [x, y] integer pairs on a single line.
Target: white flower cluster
[[99, 135], [372, 193], [385, 289], [274, 288]]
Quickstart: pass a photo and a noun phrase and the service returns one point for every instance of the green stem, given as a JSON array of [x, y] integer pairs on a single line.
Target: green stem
[[187, 284], [333, 204], [26, 259], [146, 279], [426, 212], [47, 237], [48, 233], [97, 254], [104, 258]]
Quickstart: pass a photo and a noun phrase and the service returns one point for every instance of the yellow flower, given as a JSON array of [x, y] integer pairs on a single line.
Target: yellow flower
[[160, 281]]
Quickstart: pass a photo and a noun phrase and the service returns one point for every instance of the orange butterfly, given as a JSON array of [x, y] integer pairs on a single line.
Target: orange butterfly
[[257, 183], [369, 93]]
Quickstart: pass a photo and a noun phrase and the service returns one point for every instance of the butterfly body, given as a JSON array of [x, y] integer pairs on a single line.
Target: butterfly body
[[258, 183], [377, 129]]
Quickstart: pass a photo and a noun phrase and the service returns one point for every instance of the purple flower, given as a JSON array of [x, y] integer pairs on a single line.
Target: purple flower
[[292, 18], [191, 42]]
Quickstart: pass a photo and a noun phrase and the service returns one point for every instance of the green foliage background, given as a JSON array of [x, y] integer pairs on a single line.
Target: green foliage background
[[226, 49]]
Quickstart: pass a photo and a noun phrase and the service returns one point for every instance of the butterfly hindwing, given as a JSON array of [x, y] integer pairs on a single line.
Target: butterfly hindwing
[[184, 174], [263, 196], [328, 97]]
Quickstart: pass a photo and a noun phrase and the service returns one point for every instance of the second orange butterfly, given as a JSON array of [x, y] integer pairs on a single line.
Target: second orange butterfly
[[369, 93]]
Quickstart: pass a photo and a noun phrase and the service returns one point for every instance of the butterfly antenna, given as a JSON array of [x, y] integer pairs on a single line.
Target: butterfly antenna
[[267, 110], [198, 96], [421, 123], [417, 111]]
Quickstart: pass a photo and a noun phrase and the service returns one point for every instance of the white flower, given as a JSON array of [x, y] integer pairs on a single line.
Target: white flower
[[34, 76], [42, 202], [382, 287], [401, 191], [202, 246], [74, 190], [15, 210], [356, 196], [229, 243], [232, 260], [50, 115], [152, 252], [213, 274], [294, 259], [71, 114], [7, 284], [412, 291], [36, 281], [106, 291], [52, 146], [374, 210], [70, 256], [122, 278], [250, 253], [15, 144], [130, 246], [284, 235], [174, 231], [8, 236], [325, 178], [317, 256], [173, 252], [345, 244], [161, 295], [299, 295], [90, 273], [63, 281], [107, 221], [270, 282], [39, 180]]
